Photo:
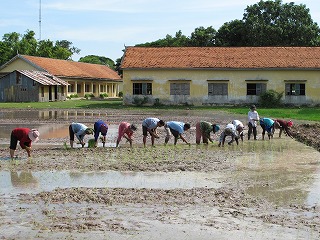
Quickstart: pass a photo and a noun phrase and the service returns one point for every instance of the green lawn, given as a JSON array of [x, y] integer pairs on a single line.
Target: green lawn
[[300, 113]]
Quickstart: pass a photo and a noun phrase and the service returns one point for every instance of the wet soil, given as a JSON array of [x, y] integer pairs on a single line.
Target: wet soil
[[228, 212], [308, 134]]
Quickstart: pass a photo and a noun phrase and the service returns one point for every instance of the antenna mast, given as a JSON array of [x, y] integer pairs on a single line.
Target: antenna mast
[[39, 20]]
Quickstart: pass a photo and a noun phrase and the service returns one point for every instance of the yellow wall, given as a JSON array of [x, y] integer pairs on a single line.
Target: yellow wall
[[18, 64], [237, 82]]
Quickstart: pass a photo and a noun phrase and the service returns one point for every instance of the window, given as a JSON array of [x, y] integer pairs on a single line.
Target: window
[[179, 88], [256, 88], [102, 88], [18, 78], [295, 89], [217, 89], [142, 88], [71, 87], [78, 88], [42, 91], [87, 88]]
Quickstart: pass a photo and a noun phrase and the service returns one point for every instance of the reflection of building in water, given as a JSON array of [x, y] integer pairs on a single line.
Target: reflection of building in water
[[24, 179], [65, 114]]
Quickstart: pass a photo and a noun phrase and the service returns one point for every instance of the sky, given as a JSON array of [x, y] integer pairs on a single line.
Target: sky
[[105, 27]]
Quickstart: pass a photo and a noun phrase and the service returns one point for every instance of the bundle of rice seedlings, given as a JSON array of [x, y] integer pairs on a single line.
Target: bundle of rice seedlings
[[91, 143]]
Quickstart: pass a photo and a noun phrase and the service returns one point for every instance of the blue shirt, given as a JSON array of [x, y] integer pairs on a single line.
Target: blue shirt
[[268, 122], [177, 126], [97, 129]]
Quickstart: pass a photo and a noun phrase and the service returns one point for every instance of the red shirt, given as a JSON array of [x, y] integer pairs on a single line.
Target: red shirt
[[282, 123], [22, 135], [124, 128]]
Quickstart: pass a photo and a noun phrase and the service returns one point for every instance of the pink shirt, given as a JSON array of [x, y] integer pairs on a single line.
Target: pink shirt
[[124, 128]]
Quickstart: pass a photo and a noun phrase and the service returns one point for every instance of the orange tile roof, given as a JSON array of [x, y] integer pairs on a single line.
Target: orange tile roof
[[71, 69], [222, 57]]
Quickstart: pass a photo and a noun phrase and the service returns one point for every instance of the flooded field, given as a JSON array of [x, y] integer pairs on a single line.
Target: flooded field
[[257, 190]]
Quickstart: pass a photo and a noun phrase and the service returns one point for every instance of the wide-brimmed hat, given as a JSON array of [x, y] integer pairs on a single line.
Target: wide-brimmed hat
[[34, 135]]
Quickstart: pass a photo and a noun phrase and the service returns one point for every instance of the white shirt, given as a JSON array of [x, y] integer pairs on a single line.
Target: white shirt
[[251, 116], [237, 123]]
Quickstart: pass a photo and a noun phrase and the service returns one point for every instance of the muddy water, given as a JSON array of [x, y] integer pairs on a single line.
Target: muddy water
[[52, 131], [32, 182], [50, 114], [283, 171]]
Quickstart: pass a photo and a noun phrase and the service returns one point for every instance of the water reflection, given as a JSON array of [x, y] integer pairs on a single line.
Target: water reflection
[[49, 180], [48, 131], [281, 171], [50, 114], [23, 179]]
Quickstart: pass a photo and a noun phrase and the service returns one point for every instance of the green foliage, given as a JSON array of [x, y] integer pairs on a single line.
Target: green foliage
[[231, 34], [266, 23], [27, 44], [270, 98], [65, 146], [203, 37], [73, 96], [89, 95], [157, 102], [272, 23], [98, 60], [177, 41], [91, 143], [103, 95], [139, 101], [120, 94]]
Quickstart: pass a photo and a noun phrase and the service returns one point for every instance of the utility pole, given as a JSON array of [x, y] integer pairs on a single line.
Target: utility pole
[[39, 20]]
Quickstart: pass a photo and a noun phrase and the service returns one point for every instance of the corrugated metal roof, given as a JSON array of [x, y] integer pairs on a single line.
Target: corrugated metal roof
[[43, 78], [222, 57]]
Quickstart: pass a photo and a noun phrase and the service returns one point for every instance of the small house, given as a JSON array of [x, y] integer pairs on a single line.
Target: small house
[[31, 86], [82, 78]]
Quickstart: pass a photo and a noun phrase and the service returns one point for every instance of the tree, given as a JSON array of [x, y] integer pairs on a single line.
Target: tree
[[28, 44], [271, 23], [98, 60], [68, 46], [231, 34], [45, 49], [203, 37], [178, 40], [118, 65], [15, 43], [9, 47]]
